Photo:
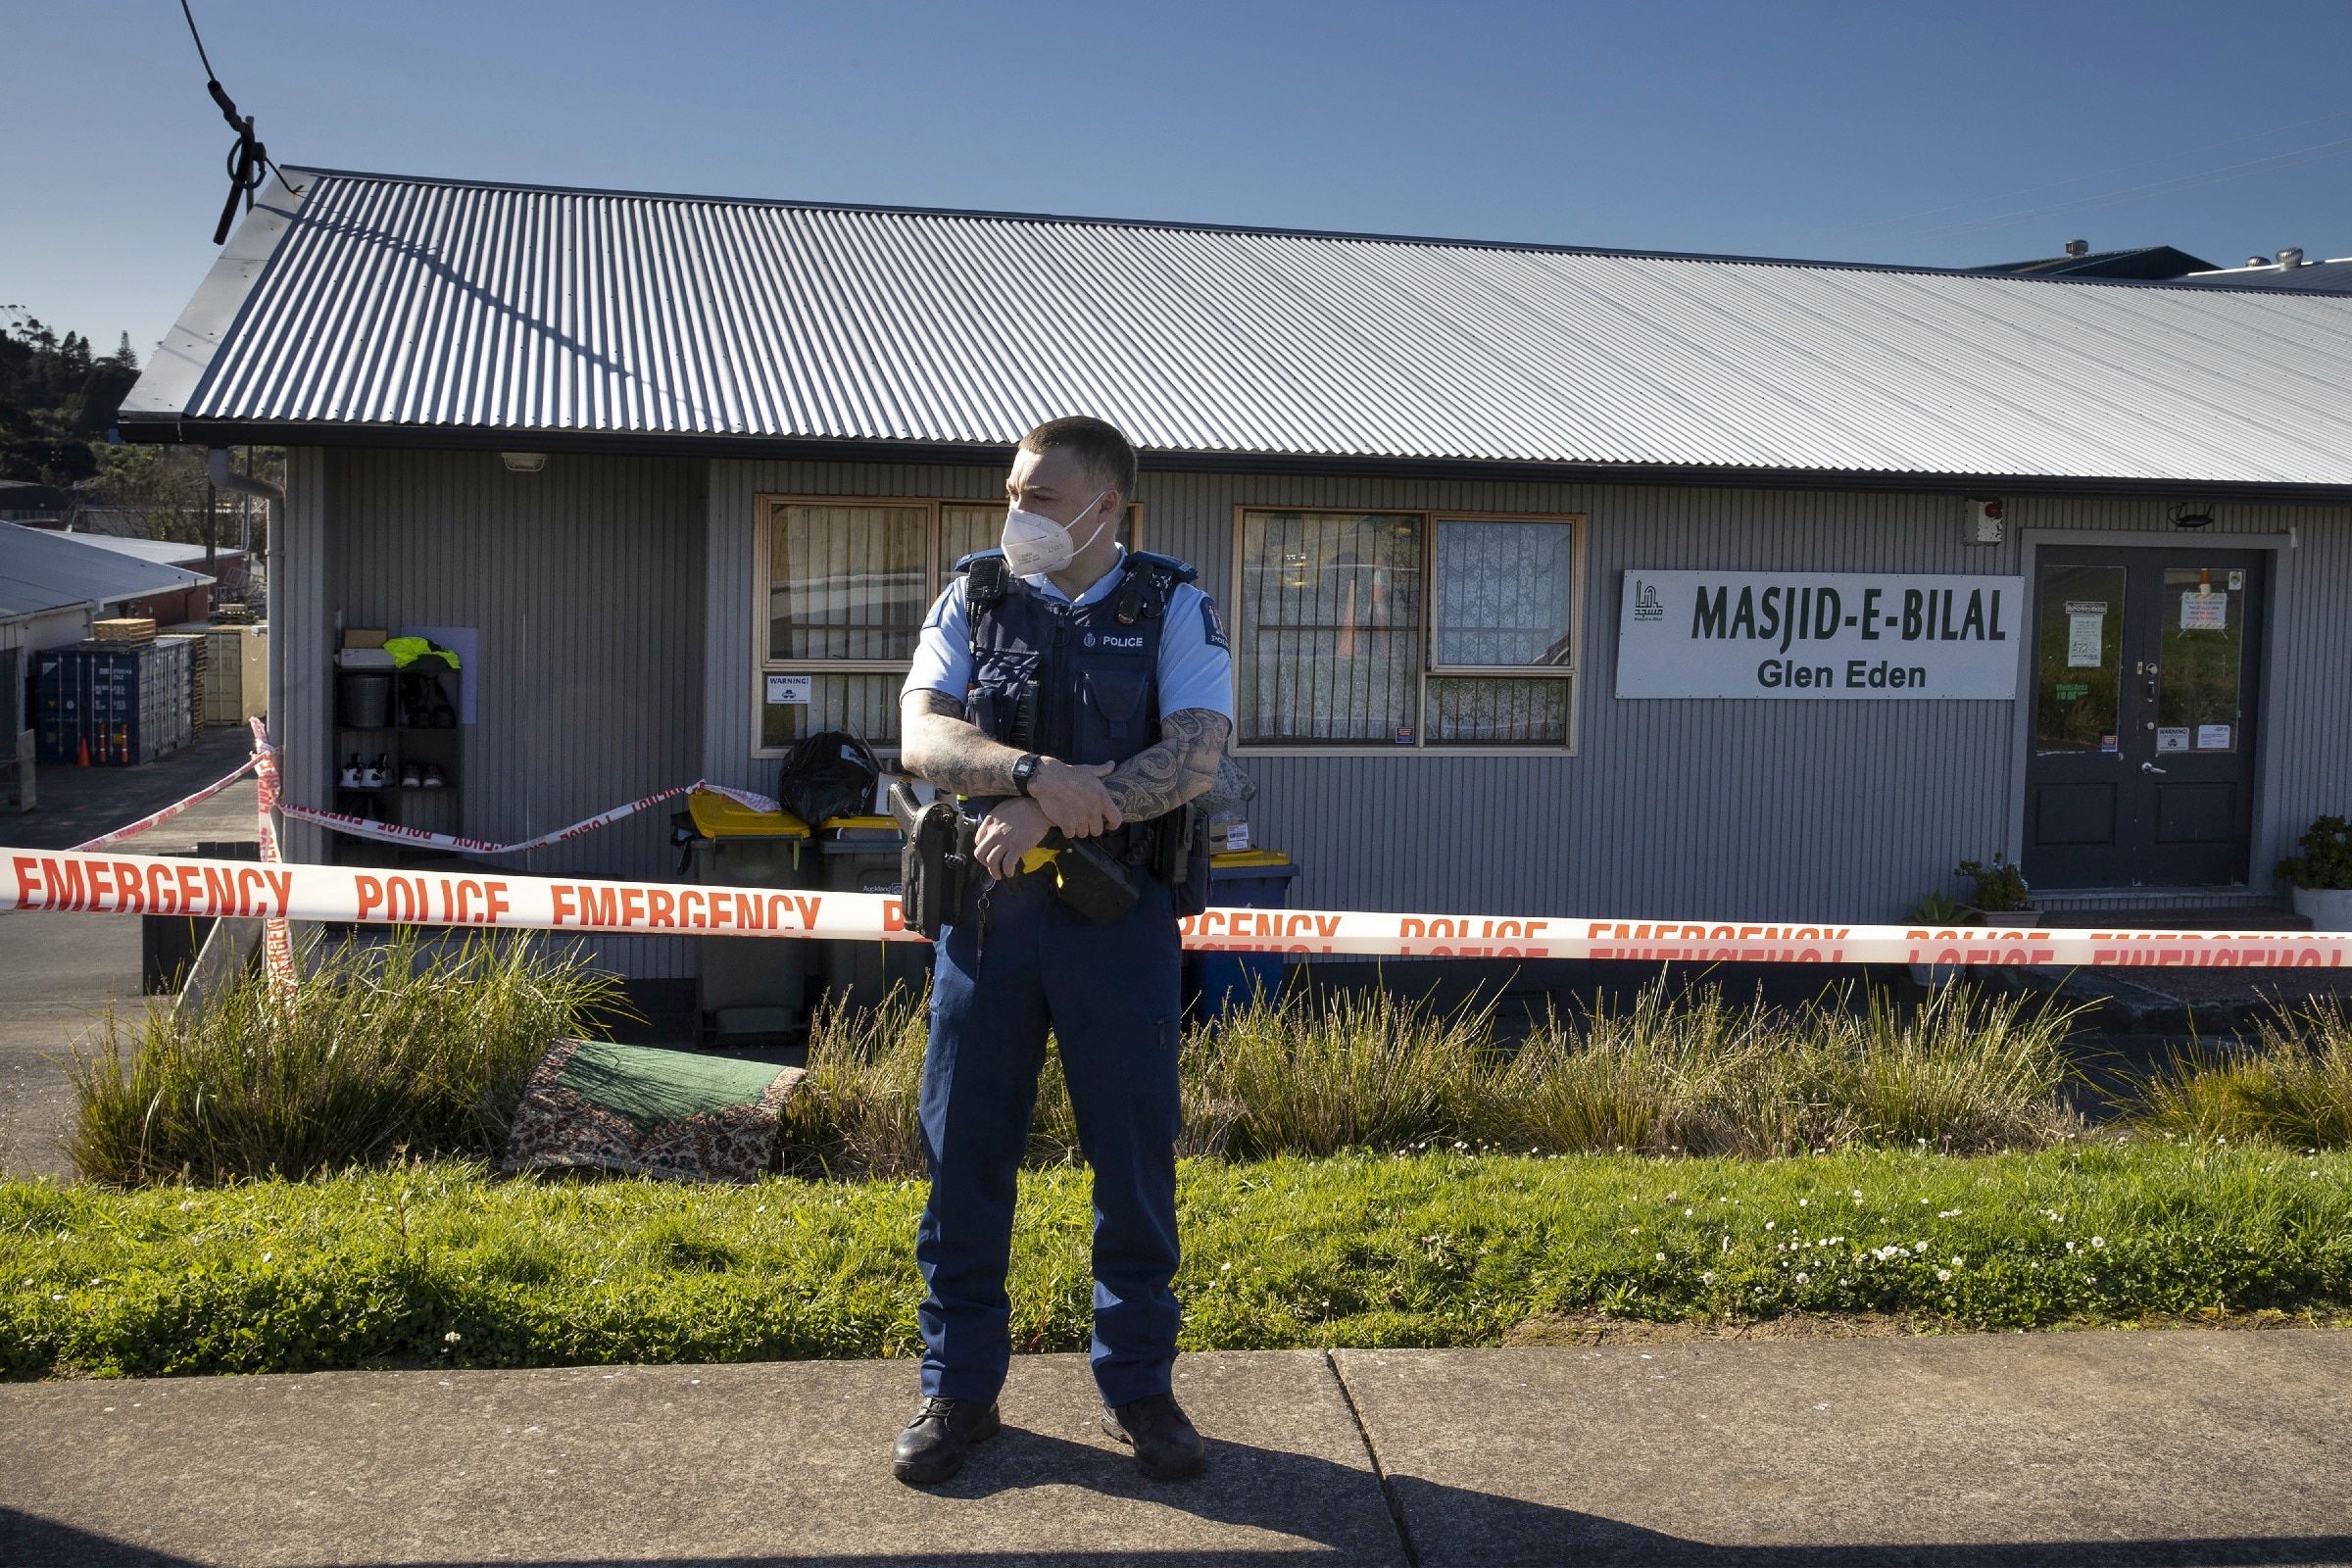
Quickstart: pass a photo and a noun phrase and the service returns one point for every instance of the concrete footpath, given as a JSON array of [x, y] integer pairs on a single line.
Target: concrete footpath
[[59, 973], [2098, 1447]]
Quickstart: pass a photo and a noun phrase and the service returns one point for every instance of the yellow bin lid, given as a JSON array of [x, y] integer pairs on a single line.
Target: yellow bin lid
[[1246, 857], [722, 816]]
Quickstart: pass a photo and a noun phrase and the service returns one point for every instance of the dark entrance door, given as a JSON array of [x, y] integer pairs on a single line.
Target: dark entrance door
[[2142, 768]]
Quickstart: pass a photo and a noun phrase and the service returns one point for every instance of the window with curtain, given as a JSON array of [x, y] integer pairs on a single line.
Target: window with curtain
[[1403, 629], [847, 583]]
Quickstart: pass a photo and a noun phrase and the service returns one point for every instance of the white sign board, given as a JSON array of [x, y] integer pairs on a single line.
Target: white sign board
[[1835, 635], [789, 689]]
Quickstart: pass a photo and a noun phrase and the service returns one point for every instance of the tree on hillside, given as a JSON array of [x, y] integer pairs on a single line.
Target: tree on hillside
[[58, 404], [57, 400]]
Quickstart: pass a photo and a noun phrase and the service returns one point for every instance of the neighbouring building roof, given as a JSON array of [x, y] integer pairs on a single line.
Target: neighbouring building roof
[[2143, 263], [2330, 277], [42, 569], [376, 310], [161, 551]]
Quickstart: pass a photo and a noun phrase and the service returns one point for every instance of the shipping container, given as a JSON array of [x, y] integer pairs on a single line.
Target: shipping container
[[127, 703]]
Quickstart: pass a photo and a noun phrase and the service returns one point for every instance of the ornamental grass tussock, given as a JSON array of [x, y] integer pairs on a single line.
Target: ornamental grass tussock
[[393, 1048], [1682, 1069], [2291, 1085]]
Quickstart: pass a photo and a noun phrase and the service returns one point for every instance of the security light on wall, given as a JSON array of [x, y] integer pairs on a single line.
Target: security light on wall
[[523, 462], [2192, 514], [1983, 522]]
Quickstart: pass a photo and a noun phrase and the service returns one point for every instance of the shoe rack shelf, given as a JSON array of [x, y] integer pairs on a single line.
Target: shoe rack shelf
[[423, 742]]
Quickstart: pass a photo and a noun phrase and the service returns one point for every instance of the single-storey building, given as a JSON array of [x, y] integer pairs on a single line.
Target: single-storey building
[[1559, 581], [227, 567]]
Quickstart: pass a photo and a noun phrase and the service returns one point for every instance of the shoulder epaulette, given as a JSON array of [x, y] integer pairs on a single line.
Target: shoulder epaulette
[[1181, 570]]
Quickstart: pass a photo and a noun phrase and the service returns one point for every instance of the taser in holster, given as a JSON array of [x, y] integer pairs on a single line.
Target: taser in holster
[[1089, 880]]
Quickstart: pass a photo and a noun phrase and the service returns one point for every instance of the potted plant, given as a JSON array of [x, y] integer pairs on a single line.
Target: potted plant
[[2323, 876], [1939, 911], [2001, 897]]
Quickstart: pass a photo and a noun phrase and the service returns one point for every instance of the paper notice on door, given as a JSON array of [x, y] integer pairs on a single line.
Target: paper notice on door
[[2213, 737], [789, 689], [2170, 739], [2085, 633], [2204, 611]]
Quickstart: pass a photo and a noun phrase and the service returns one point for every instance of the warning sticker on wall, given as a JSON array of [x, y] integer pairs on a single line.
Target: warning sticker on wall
[[789, 689], [2172, 738], [2085, 633], [2204, 611]]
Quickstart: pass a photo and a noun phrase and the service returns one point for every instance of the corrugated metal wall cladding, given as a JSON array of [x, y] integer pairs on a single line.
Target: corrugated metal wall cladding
[[586, 585], [1714, 810], [412, 303]]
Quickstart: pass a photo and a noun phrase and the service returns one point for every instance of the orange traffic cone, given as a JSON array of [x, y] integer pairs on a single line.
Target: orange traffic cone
[[85, 752]]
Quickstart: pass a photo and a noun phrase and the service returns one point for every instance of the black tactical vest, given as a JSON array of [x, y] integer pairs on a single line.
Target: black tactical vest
[[1080, 683]]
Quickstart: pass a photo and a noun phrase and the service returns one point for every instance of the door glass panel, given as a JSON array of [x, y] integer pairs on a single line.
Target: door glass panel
[[2201, 654], [2079, 674]]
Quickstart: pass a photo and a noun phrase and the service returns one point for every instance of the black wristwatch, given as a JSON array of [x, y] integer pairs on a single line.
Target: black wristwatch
[[1025, 769]]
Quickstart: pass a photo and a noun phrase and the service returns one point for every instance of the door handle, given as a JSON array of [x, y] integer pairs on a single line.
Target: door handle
[[2150, 767]]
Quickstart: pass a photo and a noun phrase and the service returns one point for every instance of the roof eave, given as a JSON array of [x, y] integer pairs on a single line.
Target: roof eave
[[688, 444]]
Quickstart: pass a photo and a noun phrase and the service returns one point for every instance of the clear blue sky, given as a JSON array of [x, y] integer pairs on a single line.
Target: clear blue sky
[[1947, 134]]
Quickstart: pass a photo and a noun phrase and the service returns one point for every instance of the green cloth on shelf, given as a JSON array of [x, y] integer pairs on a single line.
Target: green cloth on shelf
[[405, 650]]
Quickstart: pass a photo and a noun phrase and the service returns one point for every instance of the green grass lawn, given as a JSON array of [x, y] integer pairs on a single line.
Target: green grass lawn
[[436, 1264]]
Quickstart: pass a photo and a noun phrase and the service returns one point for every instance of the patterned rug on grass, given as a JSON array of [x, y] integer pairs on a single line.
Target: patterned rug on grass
[[634, 1110]]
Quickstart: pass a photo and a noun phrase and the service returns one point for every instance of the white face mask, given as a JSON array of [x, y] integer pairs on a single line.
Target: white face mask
[[1035, 543]]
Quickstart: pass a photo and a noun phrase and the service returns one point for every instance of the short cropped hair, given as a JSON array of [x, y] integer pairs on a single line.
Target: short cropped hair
[[1097, 446]]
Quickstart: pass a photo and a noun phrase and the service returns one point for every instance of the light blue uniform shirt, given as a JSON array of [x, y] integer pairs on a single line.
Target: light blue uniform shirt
[[1196, 669]]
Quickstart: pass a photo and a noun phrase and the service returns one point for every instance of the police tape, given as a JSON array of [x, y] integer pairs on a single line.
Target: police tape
[[153, 818], [278, 937], [69, 882], [416, 837]]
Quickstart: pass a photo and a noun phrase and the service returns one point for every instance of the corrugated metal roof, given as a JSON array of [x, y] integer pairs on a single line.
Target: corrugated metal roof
[[157, 552], [43, 569], [443, 308]]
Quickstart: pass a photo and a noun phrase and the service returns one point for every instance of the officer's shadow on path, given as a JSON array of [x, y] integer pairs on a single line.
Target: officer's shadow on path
[[1350, 1517], [1326, 1513]]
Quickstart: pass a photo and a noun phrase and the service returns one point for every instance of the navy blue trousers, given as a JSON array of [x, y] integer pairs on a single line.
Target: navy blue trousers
[[1110, 992]]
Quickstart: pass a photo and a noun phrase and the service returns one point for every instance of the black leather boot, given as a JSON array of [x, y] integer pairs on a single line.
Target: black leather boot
[[940, 1437], [1166, 1447]]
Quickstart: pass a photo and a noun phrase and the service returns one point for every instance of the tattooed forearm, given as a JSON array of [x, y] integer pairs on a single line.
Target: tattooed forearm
[[939, 744], [1184, 764]]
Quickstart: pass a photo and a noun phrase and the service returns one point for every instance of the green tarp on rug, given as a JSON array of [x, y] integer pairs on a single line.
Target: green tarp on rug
[[639, 1111]]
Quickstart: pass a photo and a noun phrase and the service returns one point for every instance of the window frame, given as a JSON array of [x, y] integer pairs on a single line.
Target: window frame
[[765, 505], [1430, 517]]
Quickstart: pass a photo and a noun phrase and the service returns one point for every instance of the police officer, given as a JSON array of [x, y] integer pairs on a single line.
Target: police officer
[[1063, 683]]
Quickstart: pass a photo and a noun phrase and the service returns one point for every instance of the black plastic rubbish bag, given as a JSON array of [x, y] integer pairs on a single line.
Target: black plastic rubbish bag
[[830, 773]]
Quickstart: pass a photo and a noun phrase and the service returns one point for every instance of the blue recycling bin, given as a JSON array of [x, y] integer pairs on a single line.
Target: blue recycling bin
[[1248, 879]]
